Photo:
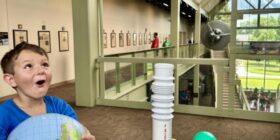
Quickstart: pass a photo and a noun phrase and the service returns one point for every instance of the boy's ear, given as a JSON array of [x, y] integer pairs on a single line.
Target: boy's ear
[[9, 79]]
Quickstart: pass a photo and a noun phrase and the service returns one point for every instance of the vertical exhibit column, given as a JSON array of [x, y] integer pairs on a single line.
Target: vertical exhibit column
[[162, 101]]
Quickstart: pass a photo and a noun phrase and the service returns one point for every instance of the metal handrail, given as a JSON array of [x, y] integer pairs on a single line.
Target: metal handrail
[[190, 46], [242, 96]]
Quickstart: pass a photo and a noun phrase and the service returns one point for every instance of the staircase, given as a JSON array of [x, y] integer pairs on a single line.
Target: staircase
[[225, 95]]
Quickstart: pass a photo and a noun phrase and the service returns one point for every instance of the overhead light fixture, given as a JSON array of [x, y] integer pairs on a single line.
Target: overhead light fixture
[[189, 16], [183, 13], [165, 4]]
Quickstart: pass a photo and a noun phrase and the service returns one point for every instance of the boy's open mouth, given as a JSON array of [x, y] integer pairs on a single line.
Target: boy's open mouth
[[40, 82]]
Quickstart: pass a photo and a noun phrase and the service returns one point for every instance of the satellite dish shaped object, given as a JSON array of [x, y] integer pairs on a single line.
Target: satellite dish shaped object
[[215, 35]]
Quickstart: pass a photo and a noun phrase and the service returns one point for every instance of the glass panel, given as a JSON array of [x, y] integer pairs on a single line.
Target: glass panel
[[251, 4], [249, 20], [125, 72], [270, 20], [256, 68], [207, 90], [150, 69], [110, 75], [224, 18], [258, 35], [254, 82], [272, 74], [251, 73], [274, 4], [259, 82], [226, 8], [186, 88], [243, 35], [265, 35], [241, 71], [140, 69]]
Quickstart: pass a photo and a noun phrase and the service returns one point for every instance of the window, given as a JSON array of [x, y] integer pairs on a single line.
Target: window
[[258, 73]]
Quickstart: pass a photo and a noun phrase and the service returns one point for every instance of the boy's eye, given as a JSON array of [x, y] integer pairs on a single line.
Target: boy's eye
[[46, 65], [28, 66]]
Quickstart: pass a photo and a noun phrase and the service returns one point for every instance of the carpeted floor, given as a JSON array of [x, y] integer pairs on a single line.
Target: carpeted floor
[[112, 123]]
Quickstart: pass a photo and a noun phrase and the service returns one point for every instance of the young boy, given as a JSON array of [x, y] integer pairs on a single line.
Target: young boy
[[26, 68]]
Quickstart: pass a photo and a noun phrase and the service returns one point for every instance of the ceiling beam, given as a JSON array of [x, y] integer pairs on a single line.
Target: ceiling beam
[[195, 6], [204, 2], [259, 11], [218, 7]]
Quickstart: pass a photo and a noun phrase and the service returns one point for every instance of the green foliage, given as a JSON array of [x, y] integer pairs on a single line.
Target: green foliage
[[224, 18], [265, 35]]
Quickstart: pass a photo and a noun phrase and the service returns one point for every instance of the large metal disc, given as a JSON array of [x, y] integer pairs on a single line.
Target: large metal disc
[[220, 40]]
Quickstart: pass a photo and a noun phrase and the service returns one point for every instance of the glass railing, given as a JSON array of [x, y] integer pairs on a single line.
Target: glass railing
[[124, 81], [125, 75], [118, 73]]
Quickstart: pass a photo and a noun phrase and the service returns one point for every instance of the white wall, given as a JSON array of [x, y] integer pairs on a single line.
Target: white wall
[[4, 88], [3, 16], [136, 16], [32, 14]]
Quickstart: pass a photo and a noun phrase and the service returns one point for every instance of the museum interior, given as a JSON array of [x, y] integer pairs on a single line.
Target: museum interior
[[225, 56]]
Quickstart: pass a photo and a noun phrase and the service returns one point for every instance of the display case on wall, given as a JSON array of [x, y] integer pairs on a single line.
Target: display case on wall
[[140, 39], [121, 39], [113, 39], [104, 39], [63, 40], [134, 39], [20, 36], [128, 39], [44, 40], [4, 40]]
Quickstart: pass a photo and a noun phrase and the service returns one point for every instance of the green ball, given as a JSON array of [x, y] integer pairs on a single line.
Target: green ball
[[204, 135]]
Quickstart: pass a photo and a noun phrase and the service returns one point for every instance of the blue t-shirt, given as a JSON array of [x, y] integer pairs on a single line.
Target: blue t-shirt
[[11, 115]]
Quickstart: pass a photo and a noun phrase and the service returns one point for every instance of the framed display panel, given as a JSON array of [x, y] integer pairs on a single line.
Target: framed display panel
[[63, 40], [140, 38], [113, 39], [20, 36], [128, 39], [105, 40], [145, 38], [134, 39], [44, 40], [121, 39], [4, 40]]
